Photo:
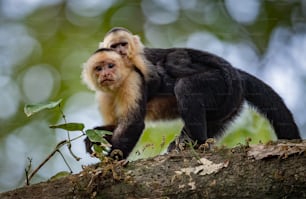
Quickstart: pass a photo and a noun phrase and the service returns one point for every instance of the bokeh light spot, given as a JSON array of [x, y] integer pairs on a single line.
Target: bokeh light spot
[[38, 83]]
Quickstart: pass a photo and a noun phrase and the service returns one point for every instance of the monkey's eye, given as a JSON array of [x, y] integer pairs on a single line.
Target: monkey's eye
[[124, 43], [113, 46], [98, 68], [110, 65]]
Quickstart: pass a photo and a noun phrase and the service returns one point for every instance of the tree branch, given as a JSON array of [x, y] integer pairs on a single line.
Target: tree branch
[[261, 171]]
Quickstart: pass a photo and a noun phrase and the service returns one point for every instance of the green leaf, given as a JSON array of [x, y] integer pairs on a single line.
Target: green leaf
[[97, 135], [97, 148], [69, 126], [60, 174], [30, 109]]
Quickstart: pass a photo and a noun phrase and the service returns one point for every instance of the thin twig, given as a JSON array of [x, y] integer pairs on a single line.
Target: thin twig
[[68, 135], [27, 170], [65, 160], [72, 154], [60, 144], [73, 139], [65, 121]]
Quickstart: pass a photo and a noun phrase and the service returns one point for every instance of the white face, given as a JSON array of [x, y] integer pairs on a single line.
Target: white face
[[123, 42], [104, 71], [118, 41]]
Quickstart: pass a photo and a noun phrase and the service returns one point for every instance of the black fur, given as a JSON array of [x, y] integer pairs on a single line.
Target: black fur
[[270, 104], [210, 92]]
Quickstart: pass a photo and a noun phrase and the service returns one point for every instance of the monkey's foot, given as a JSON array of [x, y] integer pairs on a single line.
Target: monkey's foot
[[179, 144], [207, 145]]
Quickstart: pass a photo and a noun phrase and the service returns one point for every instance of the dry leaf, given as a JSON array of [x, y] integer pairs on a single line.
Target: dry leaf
[[206, 167], [283, 150]]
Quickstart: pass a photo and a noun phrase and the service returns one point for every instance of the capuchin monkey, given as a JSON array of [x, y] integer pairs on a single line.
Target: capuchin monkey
[[202, 89], [121, 93]]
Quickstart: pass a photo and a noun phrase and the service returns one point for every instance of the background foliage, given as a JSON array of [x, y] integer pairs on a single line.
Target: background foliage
[[44, 43]]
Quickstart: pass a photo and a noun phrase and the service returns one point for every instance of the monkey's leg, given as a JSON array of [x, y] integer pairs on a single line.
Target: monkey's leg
[[192, 110], [199, 101], [126, 135]]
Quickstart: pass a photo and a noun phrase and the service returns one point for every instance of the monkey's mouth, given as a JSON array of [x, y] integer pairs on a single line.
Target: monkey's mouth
[[106, 82]]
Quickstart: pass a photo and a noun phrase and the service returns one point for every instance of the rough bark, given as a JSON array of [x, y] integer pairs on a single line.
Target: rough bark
[[262, 171]]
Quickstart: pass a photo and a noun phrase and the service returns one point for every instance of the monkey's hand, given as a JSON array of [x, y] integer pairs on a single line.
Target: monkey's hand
[[116, 154], [89, 143]]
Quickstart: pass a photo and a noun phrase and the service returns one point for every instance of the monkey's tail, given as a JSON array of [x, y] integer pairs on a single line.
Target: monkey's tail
[[270, 104]]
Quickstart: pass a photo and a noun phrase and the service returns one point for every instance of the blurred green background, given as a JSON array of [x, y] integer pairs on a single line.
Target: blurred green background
[[44, 43]]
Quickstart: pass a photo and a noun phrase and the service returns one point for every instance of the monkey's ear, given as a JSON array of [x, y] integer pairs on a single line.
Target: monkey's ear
[[101, 45], [136, 39], [139, 46], [87, 79]]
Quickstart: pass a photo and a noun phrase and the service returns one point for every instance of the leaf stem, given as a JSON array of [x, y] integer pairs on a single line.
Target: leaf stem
[[65, 161]]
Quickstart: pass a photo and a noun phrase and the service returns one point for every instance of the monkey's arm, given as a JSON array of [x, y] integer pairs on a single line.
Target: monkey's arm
[[131, 123], [130, 126]]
